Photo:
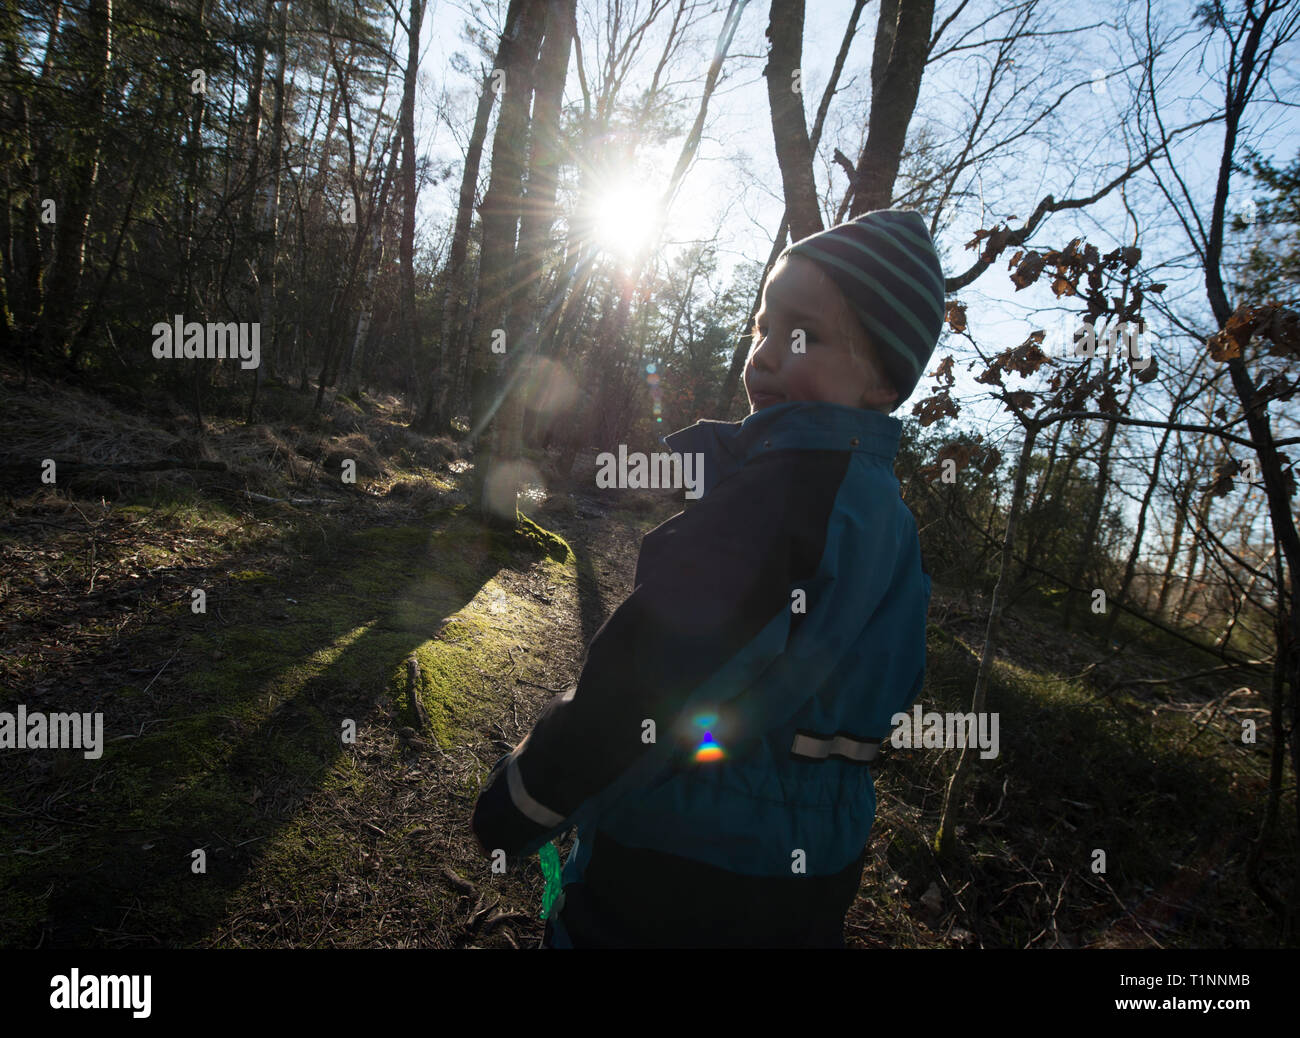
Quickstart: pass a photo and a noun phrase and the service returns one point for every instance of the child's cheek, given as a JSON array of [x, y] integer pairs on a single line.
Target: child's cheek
[[801, 383]]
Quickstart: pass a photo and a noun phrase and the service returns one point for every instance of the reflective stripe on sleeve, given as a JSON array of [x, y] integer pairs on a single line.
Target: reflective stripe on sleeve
[[527, 806], [810, 746]]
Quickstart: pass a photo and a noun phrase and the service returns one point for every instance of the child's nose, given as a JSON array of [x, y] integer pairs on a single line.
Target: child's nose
[[766, 355]]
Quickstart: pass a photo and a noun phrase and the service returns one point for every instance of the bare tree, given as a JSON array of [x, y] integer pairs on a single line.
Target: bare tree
[[1252, 34]]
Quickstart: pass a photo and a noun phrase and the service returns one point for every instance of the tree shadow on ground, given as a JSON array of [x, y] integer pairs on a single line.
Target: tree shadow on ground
[[220, 756]]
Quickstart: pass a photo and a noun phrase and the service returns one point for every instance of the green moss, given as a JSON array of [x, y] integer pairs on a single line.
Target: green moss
[[528, 536]]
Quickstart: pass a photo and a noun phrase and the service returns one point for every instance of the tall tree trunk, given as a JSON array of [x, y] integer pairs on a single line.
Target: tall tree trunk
[[1074, 452], [437, 412], [537, 215], [24, 256], [1276, 486], [331, 121], [352, 368], [406, 250], [1182, 502], [369, 215], [1088, 553], [1041, 493], [308, 320], [94, 54], [902, 43], [461, 386], [945, 843], [350, 377], [199, 373], [270, 223], [785, 99], [1182, 505], [251, 136], [493, 489], [1190, 583], [107, 275]]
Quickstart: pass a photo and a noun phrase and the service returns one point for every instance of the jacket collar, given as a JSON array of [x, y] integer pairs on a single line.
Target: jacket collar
[[797, 425]]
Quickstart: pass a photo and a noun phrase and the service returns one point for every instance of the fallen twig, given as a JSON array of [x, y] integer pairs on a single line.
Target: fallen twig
[[534, 684], [160, 670], [501, 917], [297, 501], [463, 885]]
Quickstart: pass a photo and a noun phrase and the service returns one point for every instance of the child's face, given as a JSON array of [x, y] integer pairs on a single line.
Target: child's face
[[798, 296]]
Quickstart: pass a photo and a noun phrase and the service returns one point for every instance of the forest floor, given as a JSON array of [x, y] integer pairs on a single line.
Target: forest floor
[[268, 778]]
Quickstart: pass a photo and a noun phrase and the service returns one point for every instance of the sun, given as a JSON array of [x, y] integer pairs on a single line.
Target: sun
[[624, 219]]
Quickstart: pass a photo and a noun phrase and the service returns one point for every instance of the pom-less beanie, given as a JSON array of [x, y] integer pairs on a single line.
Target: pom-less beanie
[[886, 265]]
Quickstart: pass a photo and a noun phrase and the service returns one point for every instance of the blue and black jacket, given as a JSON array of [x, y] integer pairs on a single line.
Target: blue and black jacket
[[714, 752]]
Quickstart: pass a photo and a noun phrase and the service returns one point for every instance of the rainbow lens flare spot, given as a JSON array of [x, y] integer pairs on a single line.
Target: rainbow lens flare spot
[[709, 750]]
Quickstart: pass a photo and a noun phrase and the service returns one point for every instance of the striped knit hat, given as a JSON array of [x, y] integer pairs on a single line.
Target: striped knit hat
[[886, 265]]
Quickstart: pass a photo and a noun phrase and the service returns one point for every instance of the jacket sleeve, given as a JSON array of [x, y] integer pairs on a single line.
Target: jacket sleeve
[[710, 611]]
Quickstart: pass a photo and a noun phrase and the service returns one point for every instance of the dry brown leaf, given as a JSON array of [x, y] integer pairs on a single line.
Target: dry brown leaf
[[933, 408], [956, 316], [944, 371], [1028, 270]]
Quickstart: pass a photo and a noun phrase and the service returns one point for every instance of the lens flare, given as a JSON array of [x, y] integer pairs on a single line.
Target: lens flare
[[653, 380], [709, 750]]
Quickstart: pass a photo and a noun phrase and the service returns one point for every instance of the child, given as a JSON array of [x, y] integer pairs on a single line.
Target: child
[[713, 754]]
